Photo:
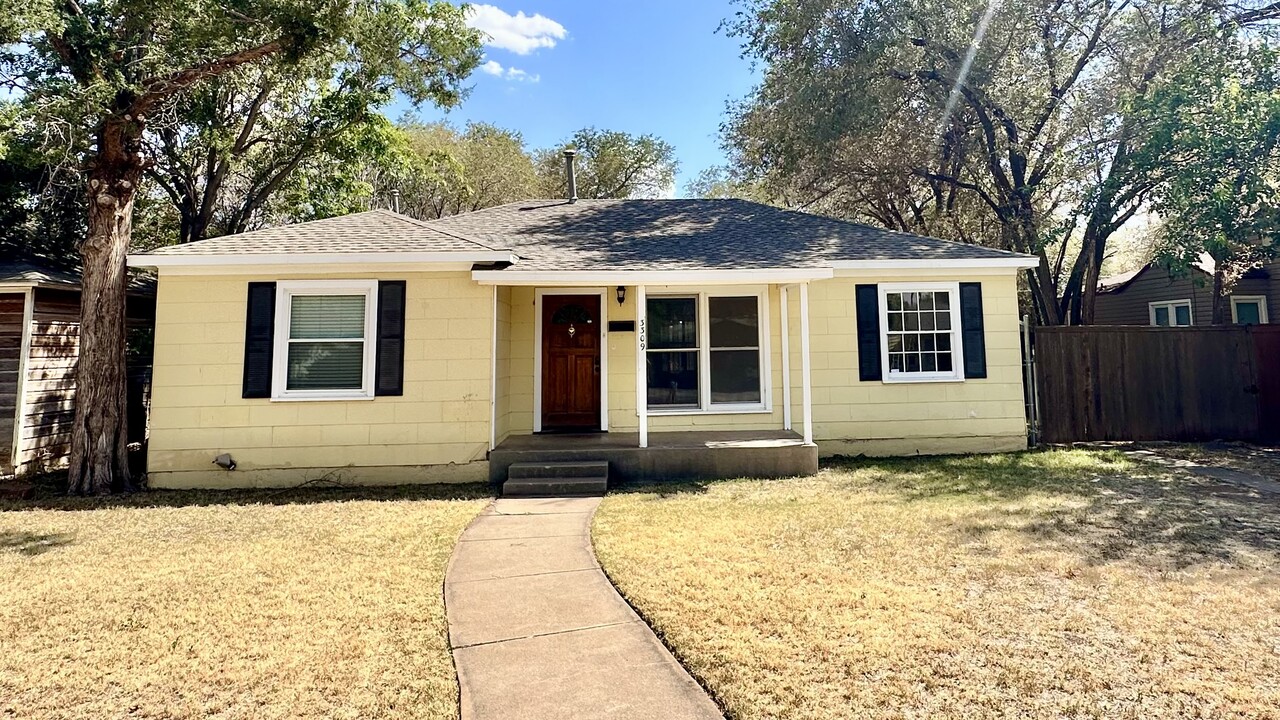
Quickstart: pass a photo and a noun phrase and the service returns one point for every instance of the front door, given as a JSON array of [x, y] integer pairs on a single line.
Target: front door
[[571, 362]]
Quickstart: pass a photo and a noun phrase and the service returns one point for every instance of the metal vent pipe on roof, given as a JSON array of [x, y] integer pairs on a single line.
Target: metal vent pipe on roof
[[569, 174]]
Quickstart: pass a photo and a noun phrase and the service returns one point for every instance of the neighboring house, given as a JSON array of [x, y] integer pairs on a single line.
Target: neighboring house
[[683, 337], [39, 349], [1150, 295]]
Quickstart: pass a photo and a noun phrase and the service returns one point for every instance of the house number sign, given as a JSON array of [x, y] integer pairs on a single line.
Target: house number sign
[[643, 340]]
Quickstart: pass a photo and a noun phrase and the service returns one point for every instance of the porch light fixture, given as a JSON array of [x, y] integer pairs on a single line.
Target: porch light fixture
[[622, 294]]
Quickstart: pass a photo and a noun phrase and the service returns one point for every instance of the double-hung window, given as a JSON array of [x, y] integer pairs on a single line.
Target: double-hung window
[[1248, 309], [920, 332], [707, 352], [324, 339], [1171, 313]]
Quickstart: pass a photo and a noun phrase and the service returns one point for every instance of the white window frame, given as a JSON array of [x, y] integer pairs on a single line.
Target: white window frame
[[957, 337], [1172, 305], [703, 299], [286, 290], [1262, 307]]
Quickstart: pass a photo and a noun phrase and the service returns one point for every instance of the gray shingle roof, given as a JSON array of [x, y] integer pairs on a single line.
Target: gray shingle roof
[[686, 235], [365, 232]]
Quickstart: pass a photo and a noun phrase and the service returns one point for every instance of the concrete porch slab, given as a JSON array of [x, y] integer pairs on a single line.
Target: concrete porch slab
[[488, 611], [616, 672]]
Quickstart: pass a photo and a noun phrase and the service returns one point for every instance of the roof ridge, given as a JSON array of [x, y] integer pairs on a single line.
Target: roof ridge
[[427, 225]]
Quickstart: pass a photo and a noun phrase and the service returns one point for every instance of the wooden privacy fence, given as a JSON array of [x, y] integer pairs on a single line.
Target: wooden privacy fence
[[1145, 383]]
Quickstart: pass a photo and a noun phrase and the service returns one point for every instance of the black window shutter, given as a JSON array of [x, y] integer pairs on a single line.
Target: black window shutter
[[389, 378], [259, 339], [971, 330], [868, 301]]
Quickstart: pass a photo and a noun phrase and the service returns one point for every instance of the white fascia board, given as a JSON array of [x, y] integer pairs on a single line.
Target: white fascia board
[[649, 277], [336, 259], [1018, 262]]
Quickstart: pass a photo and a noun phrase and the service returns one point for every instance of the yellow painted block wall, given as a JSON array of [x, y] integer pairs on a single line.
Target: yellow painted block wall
[[850, 416], [437, 431], [877, 418]]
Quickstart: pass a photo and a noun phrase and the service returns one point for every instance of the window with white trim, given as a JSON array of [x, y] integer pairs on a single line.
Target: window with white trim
[[706, 351], [1171, 313], [920, 332], [1249, 309], [324, 339]]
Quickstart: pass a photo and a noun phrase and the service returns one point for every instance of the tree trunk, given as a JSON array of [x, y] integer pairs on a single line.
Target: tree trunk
[[1221, 303], [99, 458]]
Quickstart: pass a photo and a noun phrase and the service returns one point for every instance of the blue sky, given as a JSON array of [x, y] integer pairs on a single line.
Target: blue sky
[[653, 66]]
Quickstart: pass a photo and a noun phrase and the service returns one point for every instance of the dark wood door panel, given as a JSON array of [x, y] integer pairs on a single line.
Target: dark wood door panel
[[570, 362]]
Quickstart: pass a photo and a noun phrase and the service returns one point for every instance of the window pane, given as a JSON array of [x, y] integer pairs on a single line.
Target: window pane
[[944, 362], [735, 376], [735, 322], [673, 378], [1248, 313], [673, 322], [895, 321], [1162, 316], [942, 301], [1182, 314], [314, 317], [893, 301], [325, 366]]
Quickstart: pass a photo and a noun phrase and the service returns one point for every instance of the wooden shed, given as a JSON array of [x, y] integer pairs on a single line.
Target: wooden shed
[[39, 350]]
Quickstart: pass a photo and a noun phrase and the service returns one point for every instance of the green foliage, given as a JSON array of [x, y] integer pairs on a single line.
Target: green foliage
[[1216, 140], [610, 164], [228, 149], [446, 171], [1002, 123]]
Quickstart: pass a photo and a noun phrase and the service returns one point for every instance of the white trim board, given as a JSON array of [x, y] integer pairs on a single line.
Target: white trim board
[[24, 359], [1022, 262], [336, 259], [603, 292]]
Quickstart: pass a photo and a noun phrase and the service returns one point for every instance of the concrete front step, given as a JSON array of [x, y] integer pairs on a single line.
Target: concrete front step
[[554, 487], [557, 470]]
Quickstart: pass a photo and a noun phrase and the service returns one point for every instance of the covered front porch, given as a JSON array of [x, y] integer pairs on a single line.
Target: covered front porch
[[610, 353], [685, 455]]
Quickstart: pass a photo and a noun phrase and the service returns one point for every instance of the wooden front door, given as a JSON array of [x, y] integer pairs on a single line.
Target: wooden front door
[[570, 362]]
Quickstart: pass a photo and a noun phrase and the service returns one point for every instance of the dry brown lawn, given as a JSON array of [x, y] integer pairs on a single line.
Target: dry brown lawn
[[318, 604], [1058, 584]]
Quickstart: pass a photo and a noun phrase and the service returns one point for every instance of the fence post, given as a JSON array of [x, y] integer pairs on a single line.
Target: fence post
[[1030, 398]]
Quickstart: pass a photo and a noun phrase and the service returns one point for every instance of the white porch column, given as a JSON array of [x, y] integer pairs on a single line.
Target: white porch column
[[805, 372], [642, 380], [786, 359]]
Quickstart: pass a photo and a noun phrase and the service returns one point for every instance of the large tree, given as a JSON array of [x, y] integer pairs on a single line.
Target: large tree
[[98, 75], [1217, 135], [1006, 123], [610, 164], [443, 171]]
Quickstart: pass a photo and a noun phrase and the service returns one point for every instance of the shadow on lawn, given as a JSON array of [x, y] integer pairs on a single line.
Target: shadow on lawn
[[29, 544], [266, 496], [1108, 506], [1103, 506]]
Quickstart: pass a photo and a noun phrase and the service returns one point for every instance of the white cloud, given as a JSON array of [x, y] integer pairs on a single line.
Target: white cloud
[[495, 68], [519, 33]]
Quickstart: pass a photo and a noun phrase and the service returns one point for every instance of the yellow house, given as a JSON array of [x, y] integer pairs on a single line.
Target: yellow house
[[667, 338]]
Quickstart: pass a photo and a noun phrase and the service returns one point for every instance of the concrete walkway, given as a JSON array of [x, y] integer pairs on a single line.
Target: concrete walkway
[[538, 631]]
